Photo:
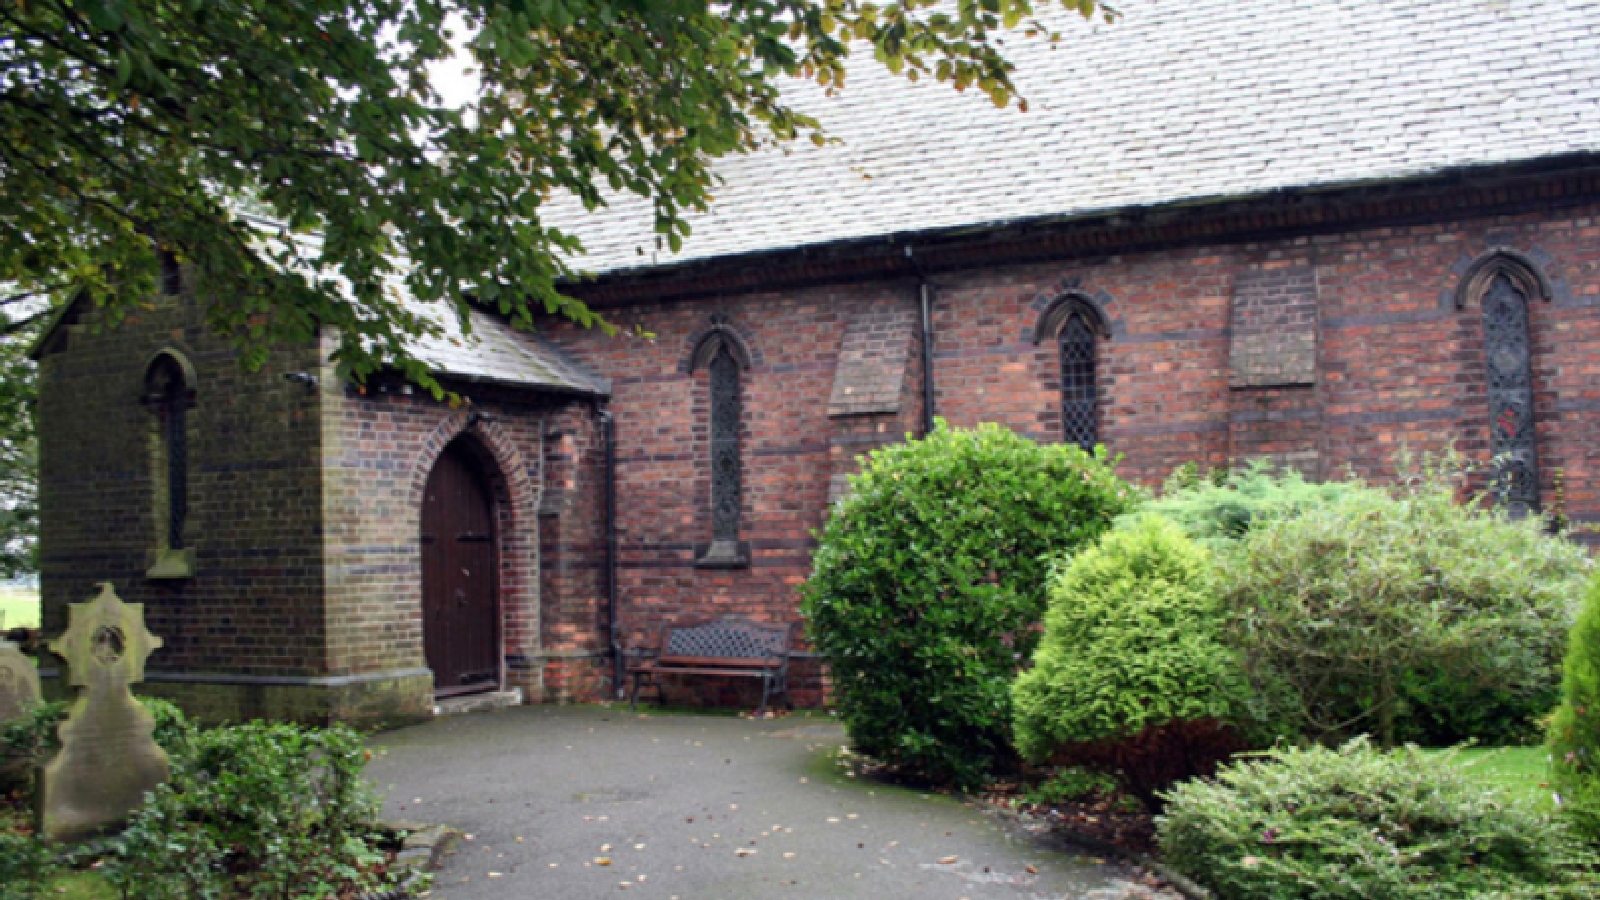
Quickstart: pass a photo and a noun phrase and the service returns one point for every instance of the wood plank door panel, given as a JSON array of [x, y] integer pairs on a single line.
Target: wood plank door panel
[[460, 607]]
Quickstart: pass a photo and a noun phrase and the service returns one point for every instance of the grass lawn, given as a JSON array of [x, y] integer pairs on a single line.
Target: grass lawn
[[19, 608], [1520, 771]]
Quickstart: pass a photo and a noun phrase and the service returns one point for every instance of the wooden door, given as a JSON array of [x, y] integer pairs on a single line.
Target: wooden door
[[460, 609]]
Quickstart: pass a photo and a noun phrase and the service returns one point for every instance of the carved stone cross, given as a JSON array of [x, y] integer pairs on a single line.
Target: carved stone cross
[[108, 759]]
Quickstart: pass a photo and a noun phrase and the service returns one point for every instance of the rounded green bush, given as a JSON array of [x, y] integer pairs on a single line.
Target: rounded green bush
[[1356, 824], [1405, 614], [929, 582], [1575, 729], [1132, 673]]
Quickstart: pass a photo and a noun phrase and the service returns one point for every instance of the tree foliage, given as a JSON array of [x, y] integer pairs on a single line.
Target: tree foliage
[[19, 456], [126, 126], [929, 581]]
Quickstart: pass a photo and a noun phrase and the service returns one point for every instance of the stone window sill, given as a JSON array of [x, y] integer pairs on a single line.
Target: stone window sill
[[171, 564], [723, 555]]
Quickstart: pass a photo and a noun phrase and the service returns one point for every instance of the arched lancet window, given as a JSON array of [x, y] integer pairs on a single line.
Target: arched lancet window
[[1505, 333], [724, 371], [1078, 326], [1502, 283], [1080, 413], [168, 397], [724, 356]]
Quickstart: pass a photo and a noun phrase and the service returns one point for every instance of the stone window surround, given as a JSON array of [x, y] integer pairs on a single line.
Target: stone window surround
[[1515, 466], [722, 350], [167, 561], [1062, 308]]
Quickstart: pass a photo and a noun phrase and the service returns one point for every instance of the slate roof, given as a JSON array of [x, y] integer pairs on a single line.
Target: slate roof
[[496, 352], [1180, 101], [493, 351]]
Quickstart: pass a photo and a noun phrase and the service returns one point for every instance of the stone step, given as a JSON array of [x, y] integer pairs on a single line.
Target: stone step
[[452, 706]]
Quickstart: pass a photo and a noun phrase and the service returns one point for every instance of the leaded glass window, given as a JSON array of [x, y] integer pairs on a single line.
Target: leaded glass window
[[1511, 423], [724, 371], [1079, 406]]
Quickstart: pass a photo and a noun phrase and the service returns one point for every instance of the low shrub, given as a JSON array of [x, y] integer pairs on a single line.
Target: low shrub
[[1398, 612], [25, 863], [928, 584], [1131, 676], [1223, 507], [1575, 729], [31, 740], [257, 810], [1071, 783], [1356, 823]]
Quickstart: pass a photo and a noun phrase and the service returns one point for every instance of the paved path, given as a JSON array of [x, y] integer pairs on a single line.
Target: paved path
[[696, 808]]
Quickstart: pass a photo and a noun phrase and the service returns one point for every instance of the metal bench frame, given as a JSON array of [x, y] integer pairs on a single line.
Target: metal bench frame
[[731, 647]]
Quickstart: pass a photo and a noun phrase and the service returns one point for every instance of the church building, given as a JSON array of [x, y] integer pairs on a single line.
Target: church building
[[1314, 232]]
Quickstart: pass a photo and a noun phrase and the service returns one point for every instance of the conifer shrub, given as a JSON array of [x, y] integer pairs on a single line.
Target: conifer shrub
[[1132, 676], [1403, 613], [1355, 823], [1575, 729], [1221, 507], [929, 582]]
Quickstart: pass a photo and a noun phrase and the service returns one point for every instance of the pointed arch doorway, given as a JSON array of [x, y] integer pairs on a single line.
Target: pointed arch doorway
[[460, 581]]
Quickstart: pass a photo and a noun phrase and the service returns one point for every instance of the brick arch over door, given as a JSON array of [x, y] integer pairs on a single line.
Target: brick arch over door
[[515, 491]]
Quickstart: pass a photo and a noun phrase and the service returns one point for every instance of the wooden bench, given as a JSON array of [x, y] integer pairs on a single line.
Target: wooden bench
[[731, 647]]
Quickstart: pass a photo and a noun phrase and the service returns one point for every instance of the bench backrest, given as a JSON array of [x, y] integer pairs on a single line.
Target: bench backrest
[[726, 639]]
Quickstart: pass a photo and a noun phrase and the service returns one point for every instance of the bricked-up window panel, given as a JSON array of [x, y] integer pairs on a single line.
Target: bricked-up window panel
[[168, 398], [1274, 329], [725, 417], [1511, 423], [1079, 409]]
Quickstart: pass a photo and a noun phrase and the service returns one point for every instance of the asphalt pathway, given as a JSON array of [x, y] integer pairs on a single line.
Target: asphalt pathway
[[569, 803]]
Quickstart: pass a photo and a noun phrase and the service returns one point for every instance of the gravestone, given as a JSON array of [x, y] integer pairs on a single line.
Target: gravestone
[[108, 759], [19, 681]]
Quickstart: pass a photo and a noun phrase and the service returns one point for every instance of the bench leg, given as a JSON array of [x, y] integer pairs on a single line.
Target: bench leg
[[766, 690]]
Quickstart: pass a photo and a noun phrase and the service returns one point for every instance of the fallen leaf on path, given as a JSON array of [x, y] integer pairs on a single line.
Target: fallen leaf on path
[[947, 860]]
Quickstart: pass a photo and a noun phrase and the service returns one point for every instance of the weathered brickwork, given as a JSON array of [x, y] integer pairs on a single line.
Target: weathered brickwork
[[304, 500], [253, 605], [1321, 346], [380, 444], [1395, 364], [1273, 334], [575, 632]]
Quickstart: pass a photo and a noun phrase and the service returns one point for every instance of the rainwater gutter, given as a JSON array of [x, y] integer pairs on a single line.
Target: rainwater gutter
[[925, 301], [608, 440]]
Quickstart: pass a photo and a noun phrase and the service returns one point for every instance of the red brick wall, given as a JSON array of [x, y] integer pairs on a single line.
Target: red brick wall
[[1397, 364], [305, 503]]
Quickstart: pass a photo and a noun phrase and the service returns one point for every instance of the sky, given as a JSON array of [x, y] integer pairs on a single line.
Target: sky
[[454, 79]]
